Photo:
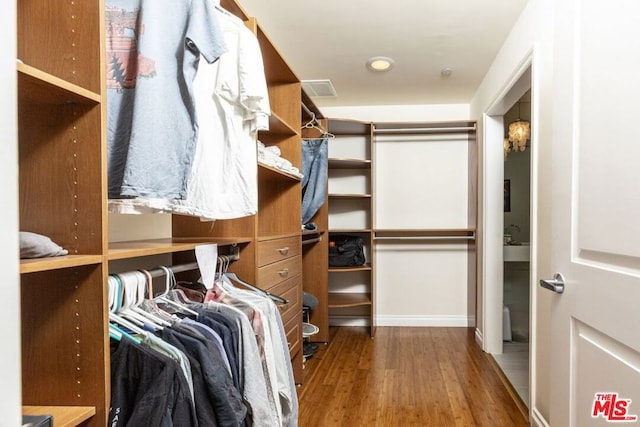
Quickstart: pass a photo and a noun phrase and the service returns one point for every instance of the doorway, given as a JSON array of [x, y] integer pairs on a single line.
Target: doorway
[[495, 225], [514, 359]]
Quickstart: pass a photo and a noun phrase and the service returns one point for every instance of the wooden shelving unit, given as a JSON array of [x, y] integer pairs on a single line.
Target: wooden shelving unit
[[350, 211], [63, 195], [64, 416]]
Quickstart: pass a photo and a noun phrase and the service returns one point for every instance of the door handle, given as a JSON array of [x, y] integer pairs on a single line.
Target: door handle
[[556, 284]]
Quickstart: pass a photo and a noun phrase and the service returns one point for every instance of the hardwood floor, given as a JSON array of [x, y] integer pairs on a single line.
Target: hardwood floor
[[404, 377]]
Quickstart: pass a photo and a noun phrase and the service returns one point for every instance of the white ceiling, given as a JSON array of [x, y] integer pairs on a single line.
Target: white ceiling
[[332, 39]]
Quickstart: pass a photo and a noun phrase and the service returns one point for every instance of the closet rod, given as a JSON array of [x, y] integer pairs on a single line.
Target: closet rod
[[425, 130], [307, 110], [179, 268], [425, 238], [159, 272], [314, 240]]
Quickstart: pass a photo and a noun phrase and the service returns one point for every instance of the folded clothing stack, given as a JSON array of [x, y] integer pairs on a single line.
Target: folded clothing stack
[[271, 156]]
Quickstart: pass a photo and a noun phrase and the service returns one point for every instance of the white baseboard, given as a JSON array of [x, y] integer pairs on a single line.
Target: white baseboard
[[433, 321], [537, 420], [479, 338]]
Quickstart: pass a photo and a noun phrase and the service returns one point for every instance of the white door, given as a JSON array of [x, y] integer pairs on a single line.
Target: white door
[[596, 213]]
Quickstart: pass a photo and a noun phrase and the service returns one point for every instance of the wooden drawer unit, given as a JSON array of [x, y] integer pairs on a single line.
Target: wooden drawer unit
[[270, 251], [291, 290], [272, 274], [293, 330]]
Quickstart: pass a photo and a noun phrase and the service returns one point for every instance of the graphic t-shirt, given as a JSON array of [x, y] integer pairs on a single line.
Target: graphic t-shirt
[[153, 50]]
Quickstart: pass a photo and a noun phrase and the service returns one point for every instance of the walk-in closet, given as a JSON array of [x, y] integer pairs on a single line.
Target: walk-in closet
[[184, 206]]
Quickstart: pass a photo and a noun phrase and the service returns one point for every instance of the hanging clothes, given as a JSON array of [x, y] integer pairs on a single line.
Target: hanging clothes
[[232, 95], [153, 51], [252, 378], [267, 326], [203, 358], [219, 392], [147, 388], [232, 102], [315, 162], [276, 343]]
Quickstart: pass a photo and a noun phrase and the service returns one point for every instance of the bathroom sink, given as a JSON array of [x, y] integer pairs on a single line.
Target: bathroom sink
[[516, 253]]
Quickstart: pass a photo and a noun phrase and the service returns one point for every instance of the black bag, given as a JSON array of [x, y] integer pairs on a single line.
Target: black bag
[[346, 251]]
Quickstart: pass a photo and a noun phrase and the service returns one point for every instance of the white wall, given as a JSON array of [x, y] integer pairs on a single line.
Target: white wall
[[418, 283], [531, 37], [10, 370], [422, 284], [422, 182]]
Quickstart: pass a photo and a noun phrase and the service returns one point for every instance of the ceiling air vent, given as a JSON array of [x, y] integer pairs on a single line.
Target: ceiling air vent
[[318, 88]]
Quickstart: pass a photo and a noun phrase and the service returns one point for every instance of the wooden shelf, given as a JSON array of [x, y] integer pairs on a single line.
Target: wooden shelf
[[350, 196], [343, 300], [273, 236], [440, 234], [311, 237], [278, 125], [366, 267], [275, 66], [435, 127], [349, 127], [349, 164], [37, 87], [279, 171], [140, 248], [55, 263], [63, 416], [350, 230]]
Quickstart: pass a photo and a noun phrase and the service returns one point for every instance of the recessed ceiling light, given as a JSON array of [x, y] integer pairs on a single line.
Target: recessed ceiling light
[[446, 72], [380, 63]]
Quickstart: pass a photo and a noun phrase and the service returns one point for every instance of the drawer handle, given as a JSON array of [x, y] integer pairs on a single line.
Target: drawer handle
[[284, 272], [284, 251]]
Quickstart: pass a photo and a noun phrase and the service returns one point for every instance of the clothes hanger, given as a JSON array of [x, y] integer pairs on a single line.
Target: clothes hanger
[[124, 300], [114, 290], [143, 285], [274, 297], [313, 124], [170, 281], [133, 295], [117, 334]]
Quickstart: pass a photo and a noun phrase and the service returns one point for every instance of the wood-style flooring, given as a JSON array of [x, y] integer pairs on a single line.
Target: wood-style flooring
[[404, 377]]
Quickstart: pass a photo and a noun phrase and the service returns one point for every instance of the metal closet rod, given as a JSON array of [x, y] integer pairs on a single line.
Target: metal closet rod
[[312, 240], [179, 268], [425, 130], [307, 110]]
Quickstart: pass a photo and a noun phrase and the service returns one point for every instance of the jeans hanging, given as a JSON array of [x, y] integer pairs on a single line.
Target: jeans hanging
[[315, 154]]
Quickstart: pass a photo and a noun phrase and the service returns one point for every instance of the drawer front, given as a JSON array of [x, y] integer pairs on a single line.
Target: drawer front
[[293, 329], [272, 274], [278, 249], [291, 290]]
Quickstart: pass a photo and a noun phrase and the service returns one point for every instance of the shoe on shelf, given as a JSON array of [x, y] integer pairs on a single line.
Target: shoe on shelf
[[311, 226], [309, 349]]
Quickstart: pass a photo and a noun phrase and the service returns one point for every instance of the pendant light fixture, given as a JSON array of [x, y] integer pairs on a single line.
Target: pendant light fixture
[[518, 135]]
